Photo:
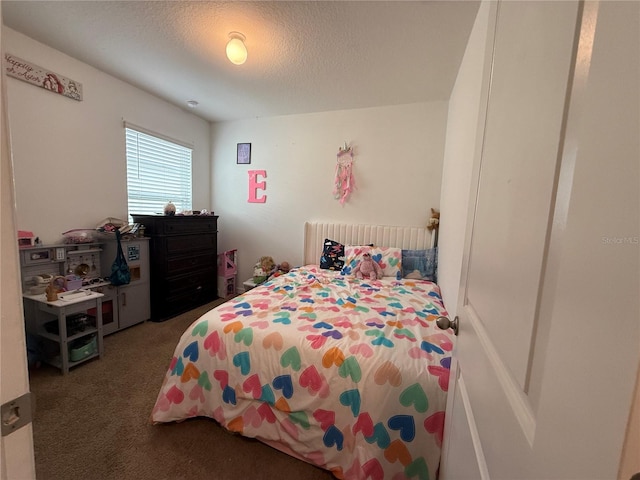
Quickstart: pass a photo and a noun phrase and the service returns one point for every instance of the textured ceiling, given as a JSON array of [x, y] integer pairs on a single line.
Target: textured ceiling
[[304, 56]]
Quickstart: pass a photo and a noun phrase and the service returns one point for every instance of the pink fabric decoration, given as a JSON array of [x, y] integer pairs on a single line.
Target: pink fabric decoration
[[344, 182]]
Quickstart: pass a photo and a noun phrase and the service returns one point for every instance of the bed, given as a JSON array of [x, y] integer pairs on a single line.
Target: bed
[[348, 374]]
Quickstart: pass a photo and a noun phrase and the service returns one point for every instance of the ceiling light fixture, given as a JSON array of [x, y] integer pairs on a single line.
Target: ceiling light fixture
[[192, 104], [236, 50]]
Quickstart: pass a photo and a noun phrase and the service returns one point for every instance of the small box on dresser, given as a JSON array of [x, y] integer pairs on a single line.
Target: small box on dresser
[[183, 255]]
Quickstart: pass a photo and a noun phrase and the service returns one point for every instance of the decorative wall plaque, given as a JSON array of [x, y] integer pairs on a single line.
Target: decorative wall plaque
[[244, 153], [41, 77]]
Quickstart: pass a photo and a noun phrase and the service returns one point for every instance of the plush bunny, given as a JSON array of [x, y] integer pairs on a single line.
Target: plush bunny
[[368, 268]]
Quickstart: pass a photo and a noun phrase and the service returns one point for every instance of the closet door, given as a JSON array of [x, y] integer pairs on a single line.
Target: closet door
[[548, 345]]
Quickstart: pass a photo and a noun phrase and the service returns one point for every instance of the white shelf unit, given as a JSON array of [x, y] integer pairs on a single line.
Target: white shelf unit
[[38, 312]]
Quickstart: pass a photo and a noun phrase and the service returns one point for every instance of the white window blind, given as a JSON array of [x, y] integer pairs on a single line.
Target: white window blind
[[158, 171]]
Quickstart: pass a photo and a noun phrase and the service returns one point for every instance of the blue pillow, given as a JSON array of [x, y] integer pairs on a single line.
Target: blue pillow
[[332, 255], [420, 264]]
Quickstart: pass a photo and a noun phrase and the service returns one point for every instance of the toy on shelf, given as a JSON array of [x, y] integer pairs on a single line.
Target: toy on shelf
[[263, 269], [227, 273], [25, 238], [433, 226]]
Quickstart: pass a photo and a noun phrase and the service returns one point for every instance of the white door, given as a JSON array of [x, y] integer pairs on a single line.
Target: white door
[[549, 334], [16, 448]]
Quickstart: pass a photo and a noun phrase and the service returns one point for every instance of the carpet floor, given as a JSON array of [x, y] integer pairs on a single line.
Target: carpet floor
[[94, 422]]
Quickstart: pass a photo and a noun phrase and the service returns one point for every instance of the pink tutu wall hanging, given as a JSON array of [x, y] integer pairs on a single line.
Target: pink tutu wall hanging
[[344, 182]]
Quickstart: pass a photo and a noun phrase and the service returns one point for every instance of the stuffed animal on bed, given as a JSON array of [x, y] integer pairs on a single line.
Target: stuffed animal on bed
[[368, 268], [280, 269]]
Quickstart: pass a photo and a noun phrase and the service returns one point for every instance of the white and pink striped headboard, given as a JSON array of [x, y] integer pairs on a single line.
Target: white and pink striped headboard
[[411, 238]]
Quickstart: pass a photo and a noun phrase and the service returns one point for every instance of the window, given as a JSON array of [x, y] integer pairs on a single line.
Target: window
[[158, 171]]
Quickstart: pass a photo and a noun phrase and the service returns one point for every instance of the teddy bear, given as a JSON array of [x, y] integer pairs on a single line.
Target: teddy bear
[[434, 221], [368, 268], [280, 269]]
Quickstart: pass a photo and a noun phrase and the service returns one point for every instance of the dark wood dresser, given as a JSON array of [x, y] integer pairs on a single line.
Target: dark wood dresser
[[183, 257]]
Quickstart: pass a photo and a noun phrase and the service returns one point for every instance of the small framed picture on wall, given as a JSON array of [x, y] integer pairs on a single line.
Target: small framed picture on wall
[[244, 154]]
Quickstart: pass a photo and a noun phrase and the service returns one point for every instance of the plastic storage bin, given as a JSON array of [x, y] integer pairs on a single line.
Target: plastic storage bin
[[82, 348], [73, 282]]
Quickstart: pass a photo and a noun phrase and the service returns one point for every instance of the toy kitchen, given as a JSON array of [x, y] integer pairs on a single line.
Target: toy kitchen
[[69, 302]]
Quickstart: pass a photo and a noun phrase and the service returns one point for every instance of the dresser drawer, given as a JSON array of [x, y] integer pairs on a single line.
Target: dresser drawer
[[192, 263], [176, 224], [179, 303], [180, 226], [185, 244], [189, 283]]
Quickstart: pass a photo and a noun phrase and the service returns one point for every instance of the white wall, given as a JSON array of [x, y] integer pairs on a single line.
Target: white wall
[[70, 160], [69, 156], [463, 138], [397, 169]]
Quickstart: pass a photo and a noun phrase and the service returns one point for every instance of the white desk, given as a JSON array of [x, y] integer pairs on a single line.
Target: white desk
[[38, 311]]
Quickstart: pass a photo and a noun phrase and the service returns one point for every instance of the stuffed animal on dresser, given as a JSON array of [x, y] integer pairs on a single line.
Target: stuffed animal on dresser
[[368, 268]]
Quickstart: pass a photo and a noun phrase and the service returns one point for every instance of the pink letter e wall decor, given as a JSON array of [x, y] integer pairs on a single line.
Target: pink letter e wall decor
[[254, 185]]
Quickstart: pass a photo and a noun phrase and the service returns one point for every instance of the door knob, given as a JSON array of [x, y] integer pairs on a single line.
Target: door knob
[[444, 323]]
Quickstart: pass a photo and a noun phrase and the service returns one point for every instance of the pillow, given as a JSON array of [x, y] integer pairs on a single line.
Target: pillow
[[389, 259], [332, 255], [420, 264]]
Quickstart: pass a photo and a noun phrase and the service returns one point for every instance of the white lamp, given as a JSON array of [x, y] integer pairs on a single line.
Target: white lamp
[[236, 50]]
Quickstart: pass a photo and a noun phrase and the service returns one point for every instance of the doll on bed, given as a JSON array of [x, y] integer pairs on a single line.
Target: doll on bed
[[368, 268], [280, 269]]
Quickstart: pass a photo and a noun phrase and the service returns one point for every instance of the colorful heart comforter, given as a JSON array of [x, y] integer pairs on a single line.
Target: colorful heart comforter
[[350, 375]]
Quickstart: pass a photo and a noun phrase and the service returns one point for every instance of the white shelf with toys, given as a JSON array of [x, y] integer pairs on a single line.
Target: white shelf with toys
[[265, 269]]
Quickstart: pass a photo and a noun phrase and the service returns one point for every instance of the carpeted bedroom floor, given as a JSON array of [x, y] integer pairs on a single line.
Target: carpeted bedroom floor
[[94, 422]]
